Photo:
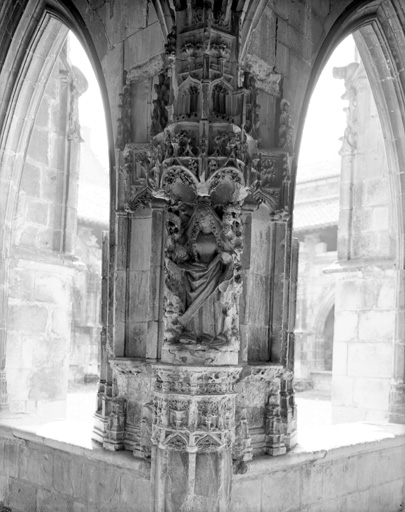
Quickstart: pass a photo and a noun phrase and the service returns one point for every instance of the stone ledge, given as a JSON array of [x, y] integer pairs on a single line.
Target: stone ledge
[[330, 443], [357, 265], [324, 443], [73, 438]]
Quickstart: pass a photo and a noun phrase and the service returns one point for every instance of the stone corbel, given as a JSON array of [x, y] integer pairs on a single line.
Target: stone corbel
[[267, 79]]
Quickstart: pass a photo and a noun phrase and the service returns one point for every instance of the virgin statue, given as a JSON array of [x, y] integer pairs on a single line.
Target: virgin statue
[[200, 281]]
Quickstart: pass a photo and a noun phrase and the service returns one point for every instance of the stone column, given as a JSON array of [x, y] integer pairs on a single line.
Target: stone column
[[3, 379], [396, 410], [193, 433], [202, 276], [105, 383]]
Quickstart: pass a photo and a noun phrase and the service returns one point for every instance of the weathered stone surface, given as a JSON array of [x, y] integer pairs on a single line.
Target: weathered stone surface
[[22, 495]]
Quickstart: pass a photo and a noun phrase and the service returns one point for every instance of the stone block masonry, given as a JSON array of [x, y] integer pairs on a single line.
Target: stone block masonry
[[342, 468], [38, 475]]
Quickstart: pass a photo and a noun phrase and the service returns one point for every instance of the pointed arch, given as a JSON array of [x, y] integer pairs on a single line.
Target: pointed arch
[[380, 38], [36, 33]]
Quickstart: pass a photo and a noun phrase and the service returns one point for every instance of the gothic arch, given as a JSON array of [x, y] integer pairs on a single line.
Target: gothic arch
[[380, 43], [221, 97], [35, 43], [325, 309], [323, 312]]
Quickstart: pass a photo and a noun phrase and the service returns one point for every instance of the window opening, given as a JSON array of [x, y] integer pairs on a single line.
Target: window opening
[[343, 220], [53, 329]]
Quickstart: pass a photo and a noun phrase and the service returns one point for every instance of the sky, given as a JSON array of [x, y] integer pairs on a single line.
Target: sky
[[326, 119], [91, 110]]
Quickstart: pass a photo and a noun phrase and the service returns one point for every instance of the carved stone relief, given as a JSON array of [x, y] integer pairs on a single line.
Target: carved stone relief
[[124, 129], [265, 401], [204, 163], [194, 408]]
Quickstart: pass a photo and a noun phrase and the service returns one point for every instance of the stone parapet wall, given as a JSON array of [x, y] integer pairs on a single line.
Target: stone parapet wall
[[39, 330], [351, 468], [45, 475], [341, 468]]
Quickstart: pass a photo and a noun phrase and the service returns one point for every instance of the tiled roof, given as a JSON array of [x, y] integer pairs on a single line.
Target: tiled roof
[[311, 210], [316, 214], [318, 170]]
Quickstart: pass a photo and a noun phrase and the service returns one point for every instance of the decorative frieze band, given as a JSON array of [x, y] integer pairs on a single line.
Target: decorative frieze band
[[194, 408]]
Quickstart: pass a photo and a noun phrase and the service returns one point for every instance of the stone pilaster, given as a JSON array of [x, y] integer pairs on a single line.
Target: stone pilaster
[[396, 408], [3, 378], [397, 403], [105, 383]]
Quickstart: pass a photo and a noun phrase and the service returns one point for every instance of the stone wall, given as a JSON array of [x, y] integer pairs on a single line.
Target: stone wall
[[365, 315], [38, 477], [315, 299], [84, 348], [41, 265], [332, 476], [343, 470], [316, 215]]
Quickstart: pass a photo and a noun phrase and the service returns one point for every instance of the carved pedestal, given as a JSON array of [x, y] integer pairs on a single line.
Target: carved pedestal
[[265, 397]]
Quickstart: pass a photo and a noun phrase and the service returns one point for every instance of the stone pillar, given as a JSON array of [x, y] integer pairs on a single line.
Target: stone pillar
[[396, 410], [203, 269], [3, 379], [105, 383], [193, 433]]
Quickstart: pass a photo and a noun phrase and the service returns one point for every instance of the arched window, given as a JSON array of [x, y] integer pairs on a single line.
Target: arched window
[[58, 206]]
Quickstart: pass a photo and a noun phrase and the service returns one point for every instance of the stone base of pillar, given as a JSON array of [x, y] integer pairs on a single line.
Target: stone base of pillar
[[114, 435], [192, 481], [99, 427], [266, 393], [397, 403], [102, 412], [193, 432]]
